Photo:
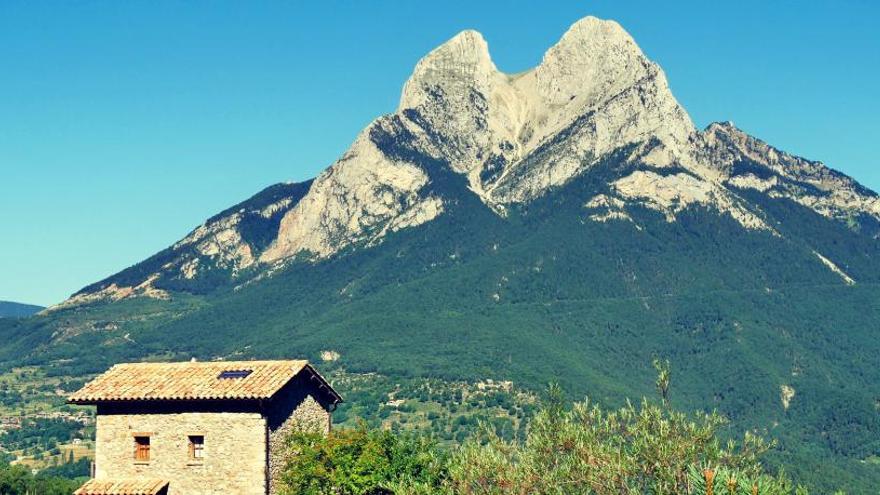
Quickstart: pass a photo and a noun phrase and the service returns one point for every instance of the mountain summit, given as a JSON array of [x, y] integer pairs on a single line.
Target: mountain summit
[[513, 137]]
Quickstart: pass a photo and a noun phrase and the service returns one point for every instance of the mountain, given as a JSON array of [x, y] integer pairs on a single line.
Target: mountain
[[17, 310], [513, 138], [568, 224]]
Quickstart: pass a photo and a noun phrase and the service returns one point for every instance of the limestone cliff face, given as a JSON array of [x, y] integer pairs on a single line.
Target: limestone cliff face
[[359, 198], [514, 138], [749, 163], [226, 246], [593, 93]]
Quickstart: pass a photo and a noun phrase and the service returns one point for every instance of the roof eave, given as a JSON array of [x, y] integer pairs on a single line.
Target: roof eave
[[95, 402], [325, 384]]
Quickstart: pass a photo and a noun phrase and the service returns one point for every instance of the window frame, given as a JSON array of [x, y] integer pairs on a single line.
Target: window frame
[[195, 448], [142, 450]]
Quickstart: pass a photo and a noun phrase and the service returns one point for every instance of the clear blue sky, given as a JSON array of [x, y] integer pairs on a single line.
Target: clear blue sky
[[123, 125]]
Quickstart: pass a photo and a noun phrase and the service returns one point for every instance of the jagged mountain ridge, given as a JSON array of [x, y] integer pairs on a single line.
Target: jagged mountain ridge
[[514, 137]]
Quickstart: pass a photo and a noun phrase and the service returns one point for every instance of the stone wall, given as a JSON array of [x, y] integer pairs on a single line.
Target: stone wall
[[234, 460], [298, 407]]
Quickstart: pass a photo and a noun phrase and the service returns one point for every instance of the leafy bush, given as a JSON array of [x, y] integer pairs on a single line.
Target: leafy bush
[[359, 461], [578, 450], [644, 449]]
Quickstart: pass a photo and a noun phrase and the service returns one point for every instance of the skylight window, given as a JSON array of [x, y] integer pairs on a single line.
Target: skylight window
[[234, 374]]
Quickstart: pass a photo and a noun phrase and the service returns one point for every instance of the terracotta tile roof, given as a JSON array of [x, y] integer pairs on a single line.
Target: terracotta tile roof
[[121, 487], [192, 381]]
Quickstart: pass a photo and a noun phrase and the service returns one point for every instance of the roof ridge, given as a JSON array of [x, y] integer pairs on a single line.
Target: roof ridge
[[198, 363], [187, 380]]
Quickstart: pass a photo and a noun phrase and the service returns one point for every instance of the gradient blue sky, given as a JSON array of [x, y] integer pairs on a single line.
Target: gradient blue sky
[[123, 125]]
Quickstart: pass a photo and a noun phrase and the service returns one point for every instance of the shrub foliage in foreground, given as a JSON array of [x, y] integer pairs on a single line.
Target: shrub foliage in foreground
[[361, 461], [579, 450]]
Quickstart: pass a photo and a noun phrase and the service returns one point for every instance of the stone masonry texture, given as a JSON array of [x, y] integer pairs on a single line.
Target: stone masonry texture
[[234, 460]]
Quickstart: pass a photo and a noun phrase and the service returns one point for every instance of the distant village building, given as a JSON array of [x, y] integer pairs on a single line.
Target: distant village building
[[200, 428]]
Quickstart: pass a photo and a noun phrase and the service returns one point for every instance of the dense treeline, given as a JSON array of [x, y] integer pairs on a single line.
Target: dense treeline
[[18, 480], [582, 449], [72, 469]]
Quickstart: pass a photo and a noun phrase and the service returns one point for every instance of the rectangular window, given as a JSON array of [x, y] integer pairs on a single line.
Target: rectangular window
[[197, 447], [142, 448]]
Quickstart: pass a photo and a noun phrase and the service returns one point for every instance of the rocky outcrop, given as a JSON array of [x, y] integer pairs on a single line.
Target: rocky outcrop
[[749, 163], [359, 198], [228, 243], [670, 194]]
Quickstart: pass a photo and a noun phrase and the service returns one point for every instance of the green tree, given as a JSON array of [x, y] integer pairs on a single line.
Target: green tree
[[663, 378], [359, 462]]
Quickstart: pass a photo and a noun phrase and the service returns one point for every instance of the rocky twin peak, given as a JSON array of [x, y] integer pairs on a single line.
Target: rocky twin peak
[[513, 138], [595, 85]]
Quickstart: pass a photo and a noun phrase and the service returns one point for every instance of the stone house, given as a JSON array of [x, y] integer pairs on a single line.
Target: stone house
[[200, 428]]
